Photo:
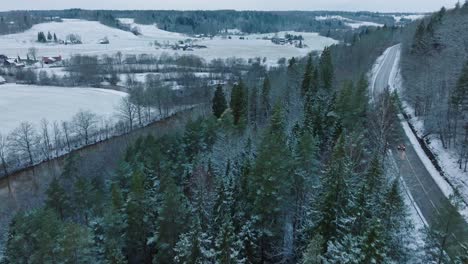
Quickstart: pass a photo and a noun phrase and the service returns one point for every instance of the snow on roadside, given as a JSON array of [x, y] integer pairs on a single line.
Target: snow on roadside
[[441, 182], [395, 76], [376, 69], [445, 159]]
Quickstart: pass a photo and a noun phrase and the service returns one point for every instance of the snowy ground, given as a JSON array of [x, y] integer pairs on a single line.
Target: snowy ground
[[91, 32], [355, 24], [20, 103], [410, 17]]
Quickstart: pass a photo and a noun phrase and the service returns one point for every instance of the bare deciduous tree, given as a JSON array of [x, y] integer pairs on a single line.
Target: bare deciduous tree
[[57, 136], [45, 139], [127, 112], [84, 123], [24, 140], [3, 159], [33, 53], [66, 132]]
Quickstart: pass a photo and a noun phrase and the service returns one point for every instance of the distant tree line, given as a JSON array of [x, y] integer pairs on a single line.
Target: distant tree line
[[18, 21], [215, 22]]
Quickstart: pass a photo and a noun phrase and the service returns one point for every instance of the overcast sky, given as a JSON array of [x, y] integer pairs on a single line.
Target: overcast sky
[[348, 5]]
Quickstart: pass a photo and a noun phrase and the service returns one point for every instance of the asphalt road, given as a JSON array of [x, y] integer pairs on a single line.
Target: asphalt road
[[434, 206]]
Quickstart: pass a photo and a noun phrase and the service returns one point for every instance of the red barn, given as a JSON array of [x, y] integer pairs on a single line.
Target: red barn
[[51, 60]]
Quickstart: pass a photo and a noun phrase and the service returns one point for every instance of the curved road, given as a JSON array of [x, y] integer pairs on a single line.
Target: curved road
[[434, 206]]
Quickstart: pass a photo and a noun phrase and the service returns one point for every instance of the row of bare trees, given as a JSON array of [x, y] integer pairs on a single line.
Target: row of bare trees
[[29, 144]]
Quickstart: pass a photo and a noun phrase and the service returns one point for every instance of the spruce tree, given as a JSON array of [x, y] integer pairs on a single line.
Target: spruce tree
[[57, 199], [374, 247], [326, 69], [253, 107], [136, 232], [75, 245], [335, 197], [313, 252], [238, 103], [265, 104], [419, 43], [361, 98], [459, 98], [345, 107], [219, 102], [171, 222], [85, 199], [271, 183], [308, 75]]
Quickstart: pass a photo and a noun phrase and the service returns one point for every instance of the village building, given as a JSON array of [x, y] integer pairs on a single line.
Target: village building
[[51, 60]]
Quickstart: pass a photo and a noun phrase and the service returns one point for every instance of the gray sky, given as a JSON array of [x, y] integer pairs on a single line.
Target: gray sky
[[348, 5]]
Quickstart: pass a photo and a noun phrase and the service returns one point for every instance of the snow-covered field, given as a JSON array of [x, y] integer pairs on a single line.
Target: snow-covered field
[[19, 103], [91, 32], [355, 24], [410, 17]]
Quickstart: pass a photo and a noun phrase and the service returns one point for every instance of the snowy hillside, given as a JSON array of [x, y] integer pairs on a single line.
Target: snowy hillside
[[92, 32], [355, 24], [19, 103]]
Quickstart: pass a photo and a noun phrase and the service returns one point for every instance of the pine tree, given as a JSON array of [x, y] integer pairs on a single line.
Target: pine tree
[[55, 38], [374, 178], [459, 98], [75, 245], [32, 238], [419, 43], [326, 69], [41, 37], [374, 247], [270, 183], [345, 107], [346, 250], [194, 246], [306, 168], [84, 199], [238, 103], [308, 75], [171, 221], [393, 217], [49, 36], [265, 105], [361, 97], [314, 82], [219, 102], [253, 107], [57, 199], [335, 197], [313, 252], [135, 210]]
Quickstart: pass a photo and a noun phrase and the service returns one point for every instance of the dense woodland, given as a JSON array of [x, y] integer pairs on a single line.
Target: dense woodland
[[205, 22], [435, 77], [289, 168], [17, 21]]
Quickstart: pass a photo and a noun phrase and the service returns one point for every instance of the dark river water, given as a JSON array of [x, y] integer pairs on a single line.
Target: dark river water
[[28, 186]]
